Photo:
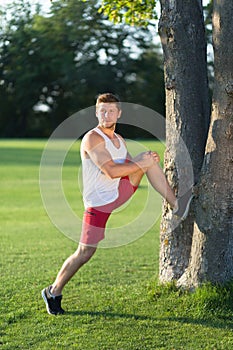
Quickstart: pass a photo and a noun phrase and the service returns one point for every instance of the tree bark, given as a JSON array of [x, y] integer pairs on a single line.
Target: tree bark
[[212, 246], [182, 34]]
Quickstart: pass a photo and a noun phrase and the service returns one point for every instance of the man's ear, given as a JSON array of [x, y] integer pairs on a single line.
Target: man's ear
[[119, 114]]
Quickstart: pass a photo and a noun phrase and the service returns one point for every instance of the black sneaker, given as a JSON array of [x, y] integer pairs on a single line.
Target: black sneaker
[[183, 204], [53, 304]]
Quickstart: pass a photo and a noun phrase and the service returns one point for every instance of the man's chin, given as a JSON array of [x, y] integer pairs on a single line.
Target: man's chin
[[109, 126]]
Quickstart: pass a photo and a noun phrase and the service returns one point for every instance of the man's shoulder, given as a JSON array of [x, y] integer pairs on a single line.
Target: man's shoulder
[[92, 137], [92, 134]]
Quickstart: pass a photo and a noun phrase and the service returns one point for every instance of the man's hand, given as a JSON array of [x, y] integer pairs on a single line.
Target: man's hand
[[144, 160], [156, 156]]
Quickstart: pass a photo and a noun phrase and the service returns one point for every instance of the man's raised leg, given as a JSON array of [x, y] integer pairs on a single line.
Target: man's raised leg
[[157, 179], [159, 182]]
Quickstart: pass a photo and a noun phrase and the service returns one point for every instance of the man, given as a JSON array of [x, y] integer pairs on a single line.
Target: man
[[110, 177]]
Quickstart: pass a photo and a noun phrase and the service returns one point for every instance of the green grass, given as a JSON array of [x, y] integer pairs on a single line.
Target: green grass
[[114, 303]]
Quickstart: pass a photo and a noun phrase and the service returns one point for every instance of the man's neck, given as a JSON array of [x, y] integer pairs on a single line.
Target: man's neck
[[108, 131]]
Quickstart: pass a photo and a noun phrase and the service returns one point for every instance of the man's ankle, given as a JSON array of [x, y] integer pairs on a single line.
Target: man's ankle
[[54, 292]]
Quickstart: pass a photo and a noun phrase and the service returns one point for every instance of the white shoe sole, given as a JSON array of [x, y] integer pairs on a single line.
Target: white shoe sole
[[46, 302]]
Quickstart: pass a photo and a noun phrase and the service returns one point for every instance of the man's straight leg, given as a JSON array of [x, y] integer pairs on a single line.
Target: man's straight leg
[[53, 295], [81, 256]]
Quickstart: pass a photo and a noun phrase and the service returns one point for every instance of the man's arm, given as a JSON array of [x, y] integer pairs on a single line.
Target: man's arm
[[94, 148]]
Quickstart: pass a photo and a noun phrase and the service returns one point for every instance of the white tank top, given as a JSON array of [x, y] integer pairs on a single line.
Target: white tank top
[[98, 189]]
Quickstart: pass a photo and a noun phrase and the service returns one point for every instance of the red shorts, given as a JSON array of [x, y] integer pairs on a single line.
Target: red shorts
[[95, 219]]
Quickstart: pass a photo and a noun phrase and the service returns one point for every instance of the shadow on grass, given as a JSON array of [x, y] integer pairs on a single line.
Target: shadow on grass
[[107, 314], [220, 322]]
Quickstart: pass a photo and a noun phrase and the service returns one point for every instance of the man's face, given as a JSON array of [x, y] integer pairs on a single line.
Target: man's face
[[107, 114]]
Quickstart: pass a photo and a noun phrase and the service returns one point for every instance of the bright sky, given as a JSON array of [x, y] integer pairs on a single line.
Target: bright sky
[[44, 3]]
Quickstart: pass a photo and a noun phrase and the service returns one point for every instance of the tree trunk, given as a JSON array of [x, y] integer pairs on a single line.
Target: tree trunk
[[212, 247], [182, 34]]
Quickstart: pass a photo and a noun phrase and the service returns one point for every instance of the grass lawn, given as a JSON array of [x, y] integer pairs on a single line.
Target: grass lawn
[[114, 303]]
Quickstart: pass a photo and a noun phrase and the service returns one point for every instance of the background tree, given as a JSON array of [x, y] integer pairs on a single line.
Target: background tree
[[16, 74], [187, 113], [52, 66]]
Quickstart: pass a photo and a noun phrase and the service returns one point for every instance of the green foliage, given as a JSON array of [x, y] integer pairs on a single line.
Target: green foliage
[[149, 79], [138, 13], [114, 303], [64, 60], [16, 74]]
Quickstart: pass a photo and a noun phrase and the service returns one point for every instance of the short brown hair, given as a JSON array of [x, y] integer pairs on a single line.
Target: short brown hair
[[108, 98]]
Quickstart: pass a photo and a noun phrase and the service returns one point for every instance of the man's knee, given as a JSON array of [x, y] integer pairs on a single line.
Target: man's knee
[[84, 253]]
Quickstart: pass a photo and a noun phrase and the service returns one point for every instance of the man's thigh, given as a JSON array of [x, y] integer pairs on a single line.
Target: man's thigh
[[136, 177], [93, 226], [95, 219]]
